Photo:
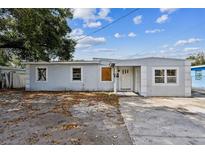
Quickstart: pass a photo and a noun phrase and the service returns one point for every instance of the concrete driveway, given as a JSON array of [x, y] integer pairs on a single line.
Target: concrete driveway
[[164, 120]]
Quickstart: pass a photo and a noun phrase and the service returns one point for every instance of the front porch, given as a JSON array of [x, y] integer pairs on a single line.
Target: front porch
[[130, 79]]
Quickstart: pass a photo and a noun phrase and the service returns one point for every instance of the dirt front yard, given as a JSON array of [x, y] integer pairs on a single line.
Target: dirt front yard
[[60, 118]]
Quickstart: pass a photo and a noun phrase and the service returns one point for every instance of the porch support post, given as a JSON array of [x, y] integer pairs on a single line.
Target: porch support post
[[144, 81], [115, 79]]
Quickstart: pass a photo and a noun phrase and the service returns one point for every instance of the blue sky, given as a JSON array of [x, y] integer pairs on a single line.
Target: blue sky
[[147, 32]]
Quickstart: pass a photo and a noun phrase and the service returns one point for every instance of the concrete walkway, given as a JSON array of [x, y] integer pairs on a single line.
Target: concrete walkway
[[164, 120]]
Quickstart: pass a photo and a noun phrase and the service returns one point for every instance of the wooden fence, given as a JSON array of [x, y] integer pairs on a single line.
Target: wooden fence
[[12, 77]]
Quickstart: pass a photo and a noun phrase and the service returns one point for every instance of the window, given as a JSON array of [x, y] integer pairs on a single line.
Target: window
[[198, 75], [171, 75], [41, 74], [165, 76], [125, 71], [76, 74], [106, 74], [159, 76]]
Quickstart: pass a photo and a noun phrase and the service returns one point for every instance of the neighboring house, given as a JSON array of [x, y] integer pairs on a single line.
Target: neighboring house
[[146, 76], [12, 77], [198, 77]]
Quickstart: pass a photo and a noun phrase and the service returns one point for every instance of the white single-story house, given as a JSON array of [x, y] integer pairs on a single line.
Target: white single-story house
[[147, 76]]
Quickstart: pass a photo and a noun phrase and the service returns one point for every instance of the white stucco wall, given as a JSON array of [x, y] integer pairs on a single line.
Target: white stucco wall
[[167, 89], [60, 78]]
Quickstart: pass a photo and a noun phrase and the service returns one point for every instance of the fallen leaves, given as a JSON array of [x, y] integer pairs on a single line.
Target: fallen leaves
[[33, 139], [26, 108], [75, 141], [45, 135], [70, 126], [55, 142], [14, 121]]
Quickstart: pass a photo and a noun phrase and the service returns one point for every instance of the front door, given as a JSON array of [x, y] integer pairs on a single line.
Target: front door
[[126, 78]]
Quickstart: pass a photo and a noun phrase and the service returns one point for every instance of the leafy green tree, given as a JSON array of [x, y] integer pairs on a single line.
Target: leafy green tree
[[37, 34], [4, 58], [198, 59]]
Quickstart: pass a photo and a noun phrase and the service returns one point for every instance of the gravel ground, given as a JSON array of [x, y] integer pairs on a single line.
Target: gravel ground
[[61, 118]]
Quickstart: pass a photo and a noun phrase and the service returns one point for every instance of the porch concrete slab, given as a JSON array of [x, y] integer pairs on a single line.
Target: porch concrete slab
[[126, 94], [164, 120]]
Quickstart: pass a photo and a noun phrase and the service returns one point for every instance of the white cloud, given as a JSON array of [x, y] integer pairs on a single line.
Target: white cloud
[[83, 46], [137, 20], [165, 46], [85, 14], [131, 34], [76, 32], [92, 24], [191, 49], [154, 31], [162, 19], [171, 49], [118, 35], [90, 16], [90, 41], [103, 14], [188, 41], [86, 41], [104, 50], [93, 40], [168, 10]]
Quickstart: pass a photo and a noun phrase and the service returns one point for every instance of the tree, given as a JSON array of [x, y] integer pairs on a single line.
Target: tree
[[36, 34], [4, 59], [198, 59]]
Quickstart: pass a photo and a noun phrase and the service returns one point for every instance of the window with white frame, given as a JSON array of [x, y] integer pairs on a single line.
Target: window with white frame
[[76, 74], [159, 76], [41, 74], [198, 75], [171, 76], [165, 76]]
